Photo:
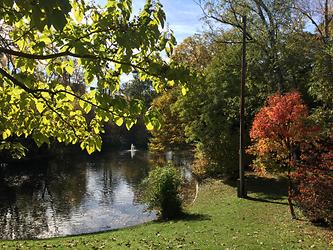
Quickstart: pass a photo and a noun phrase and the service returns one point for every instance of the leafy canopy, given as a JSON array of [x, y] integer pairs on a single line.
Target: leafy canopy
[[43, 41], [277, 131]]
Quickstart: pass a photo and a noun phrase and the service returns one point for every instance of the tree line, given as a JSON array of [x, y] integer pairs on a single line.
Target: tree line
[[288, 96]]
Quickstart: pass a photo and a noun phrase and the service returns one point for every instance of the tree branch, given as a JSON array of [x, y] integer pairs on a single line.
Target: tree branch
[[311, 20], [33, 56], [16, 82], [59, 115], [68, 53], [35, 91]]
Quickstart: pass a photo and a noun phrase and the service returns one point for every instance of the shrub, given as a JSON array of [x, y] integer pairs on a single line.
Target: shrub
[[314, 178], [162, 191]]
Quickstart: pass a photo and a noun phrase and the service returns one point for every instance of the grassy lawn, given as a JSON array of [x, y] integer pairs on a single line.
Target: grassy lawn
[[217, 220]]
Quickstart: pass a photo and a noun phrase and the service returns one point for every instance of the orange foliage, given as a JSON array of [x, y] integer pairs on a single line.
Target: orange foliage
[[282, 118], [277, 131]]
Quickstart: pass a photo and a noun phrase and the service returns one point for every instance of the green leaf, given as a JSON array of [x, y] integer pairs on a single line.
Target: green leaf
[[57, 19], [88, 77]]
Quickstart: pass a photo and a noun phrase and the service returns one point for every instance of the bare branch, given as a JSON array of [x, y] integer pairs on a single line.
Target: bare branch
[[312, 20]]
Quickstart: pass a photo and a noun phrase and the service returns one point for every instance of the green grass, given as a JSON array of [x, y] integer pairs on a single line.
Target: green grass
[[217, 220]]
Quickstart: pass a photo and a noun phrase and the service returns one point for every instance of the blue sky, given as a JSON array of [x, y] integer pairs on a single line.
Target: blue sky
[[183, 16]]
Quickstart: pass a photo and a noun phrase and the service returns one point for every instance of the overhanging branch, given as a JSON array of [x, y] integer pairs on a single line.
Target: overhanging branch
[[34, 92], [68, 53]]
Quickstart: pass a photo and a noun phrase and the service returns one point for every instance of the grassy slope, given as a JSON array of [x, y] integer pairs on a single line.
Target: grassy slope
[[217, 220]]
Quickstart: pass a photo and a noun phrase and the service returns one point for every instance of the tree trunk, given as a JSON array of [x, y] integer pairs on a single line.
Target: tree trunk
[[291, 206], [281, 87], [327, 21]]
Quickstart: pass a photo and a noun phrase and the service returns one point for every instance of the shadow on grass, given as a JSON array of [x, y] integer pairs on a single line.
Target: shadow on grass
[[264, 200], [194, 217], [265, 189], [188, 217]]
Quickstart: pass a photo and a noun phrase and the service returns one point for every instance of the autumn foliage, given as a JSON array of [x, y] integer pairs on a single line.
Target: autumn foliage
[[284, 141], [277, 131], [314, 179]]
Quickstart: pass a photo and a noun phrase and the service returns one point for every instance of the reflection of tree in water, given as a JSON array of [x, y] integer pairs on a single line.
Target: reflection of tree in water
[[119, 169], [134, 170], [31, 196], [66, 185], [22, 215]]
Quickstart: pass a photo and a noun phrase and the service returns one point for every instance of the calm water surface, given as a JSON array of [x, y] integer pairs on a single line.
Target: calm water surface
[[75, 194]]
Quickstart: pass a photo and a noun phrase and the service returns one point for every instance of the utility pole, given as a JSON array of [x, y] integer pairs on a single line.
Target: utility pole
[[241, 185]]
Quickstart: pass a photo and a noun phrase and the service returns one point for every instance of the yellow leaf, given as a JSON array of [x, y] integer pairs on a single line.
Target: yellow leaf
[[96, 130], [69, 69], [119, 121], [70, 97], [6, 134], [45, 39], [40, 107], [90, 149], [78, 12], [150, 126], [184, 90], [171, 83]]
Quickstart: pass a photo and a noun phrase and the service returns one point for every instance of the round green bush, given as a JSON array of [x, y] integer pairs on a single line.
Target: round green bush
[[162, 191]]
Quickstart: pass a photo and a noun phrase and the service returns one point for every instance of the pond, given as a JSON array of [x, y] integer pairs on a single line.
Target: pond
[[76, 194]]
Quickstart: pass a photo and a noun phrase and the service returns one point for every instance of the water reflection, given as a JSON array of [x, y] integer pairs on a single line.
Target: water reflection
[[73, 195]]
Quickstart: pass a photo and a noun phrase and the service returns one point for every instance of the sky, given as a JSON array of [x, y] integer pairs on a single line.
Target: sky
[[182, 16]]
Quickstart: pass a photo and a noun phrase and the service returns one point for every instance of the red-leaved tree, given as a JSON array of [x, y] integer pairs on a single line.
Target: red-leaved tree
[[314, 178], [277, 133]]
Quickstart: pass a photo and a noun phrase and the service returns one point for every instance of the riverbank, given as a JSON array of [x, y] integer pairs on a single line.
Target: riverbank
[[217, 220]]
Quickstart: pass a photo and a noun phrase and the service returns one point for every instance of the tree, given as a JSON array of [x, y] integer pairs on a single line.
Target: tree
[[194, 51], [140, 90], [214, 102], [171, 135], [319, 15], [39, 42], [269, 23], [277, 132]]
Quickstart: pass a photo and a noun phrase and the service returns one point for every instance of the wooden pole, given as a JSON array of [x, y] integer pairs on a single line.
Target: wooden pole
[[241, 187]]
